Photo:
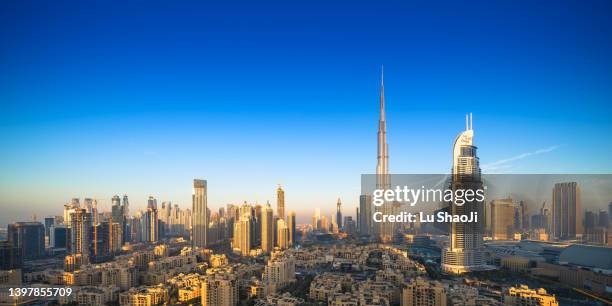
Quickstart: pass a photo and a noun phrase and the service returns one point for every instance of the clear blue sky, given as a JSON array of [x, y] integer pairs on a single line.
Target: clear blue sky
[[109, 98]]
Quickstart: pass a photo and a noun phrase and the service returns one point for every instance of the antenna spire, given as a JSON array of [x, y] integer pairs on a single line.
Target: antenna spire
[[471, 125]]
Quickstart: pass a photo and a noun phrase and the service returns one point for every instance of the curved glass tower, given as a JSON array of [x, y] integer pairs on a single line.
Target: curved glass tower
[[465, 251]]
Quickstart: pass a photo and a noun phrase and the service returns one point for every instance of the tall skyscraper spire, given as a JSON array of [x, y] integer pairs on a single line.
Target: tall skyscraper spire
[[385, 229], [382, 168]]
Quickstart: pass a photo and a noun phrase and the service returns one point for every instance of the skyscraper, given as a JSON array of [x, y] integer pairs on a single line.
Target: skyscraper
[[199, 214], [339, 214], [126, 206], [243, 235], [566, 214], [365, 214], [282, 234], [291, 225], [94, 212], [150, 221], [466, 250], [267, 229], [382, 167], [118, 212], [80, 224], [502, 225], [28, 238], [280, 202]]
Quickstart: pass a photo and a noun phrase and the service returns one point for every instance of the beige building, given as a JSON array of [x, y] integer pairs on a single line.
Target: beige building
[[280, 202], [199, 221], [282, 234], [278, 273], [523, 296], [502, 219], [420, 292], [219, 288], [144, 296]]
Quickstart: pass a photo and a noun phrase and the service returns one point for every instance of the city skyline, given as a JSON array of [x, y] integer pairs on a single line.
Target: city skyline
[[96, 122], [392, 153]]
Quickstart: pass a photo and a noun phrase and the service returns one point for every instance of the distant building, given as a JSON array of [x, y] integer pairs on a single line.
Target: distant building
[[199, 214], [49, 221], [29, 238], [365, 215], [10, 256], [59, 237], [280, 202], [566, 215], [292, 227], [150, 222], [81, 238], [267, 229], [243, 228], [282, 234], [339, 214], [502, 219]]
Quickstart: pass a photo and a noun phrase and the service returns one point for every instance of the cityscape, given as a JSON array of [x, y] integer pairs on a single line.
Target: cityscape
[[256, 254], [285, 153]]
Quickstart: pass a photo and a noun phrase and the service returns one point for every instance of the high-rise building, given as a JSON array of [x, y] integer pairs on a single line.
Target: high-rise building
[[59, 237], [267, 229], [502, 224], [69, 209], [126, 206], [349, 225], [566, 218], [164, 215], [282, 234], [199, 214], [49, 222], [118, 213], [150, 221], [387, 229], [465, 251], [80, 226], [604, 219], [365, 214], [243, 232], [94, 212], [291, 225], [28, 238], [339, 214], [101, 241], [280, 202], [420, 292], [316, 220]]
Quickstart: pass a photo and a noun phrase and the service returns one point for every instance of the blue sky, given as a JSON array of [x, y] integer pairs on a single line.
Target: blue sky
[[141, 97]]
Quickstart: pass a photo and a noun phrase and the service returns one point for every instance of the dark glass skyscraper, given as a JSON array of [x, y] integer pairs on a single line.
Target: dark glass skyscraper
[[29, 238]]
